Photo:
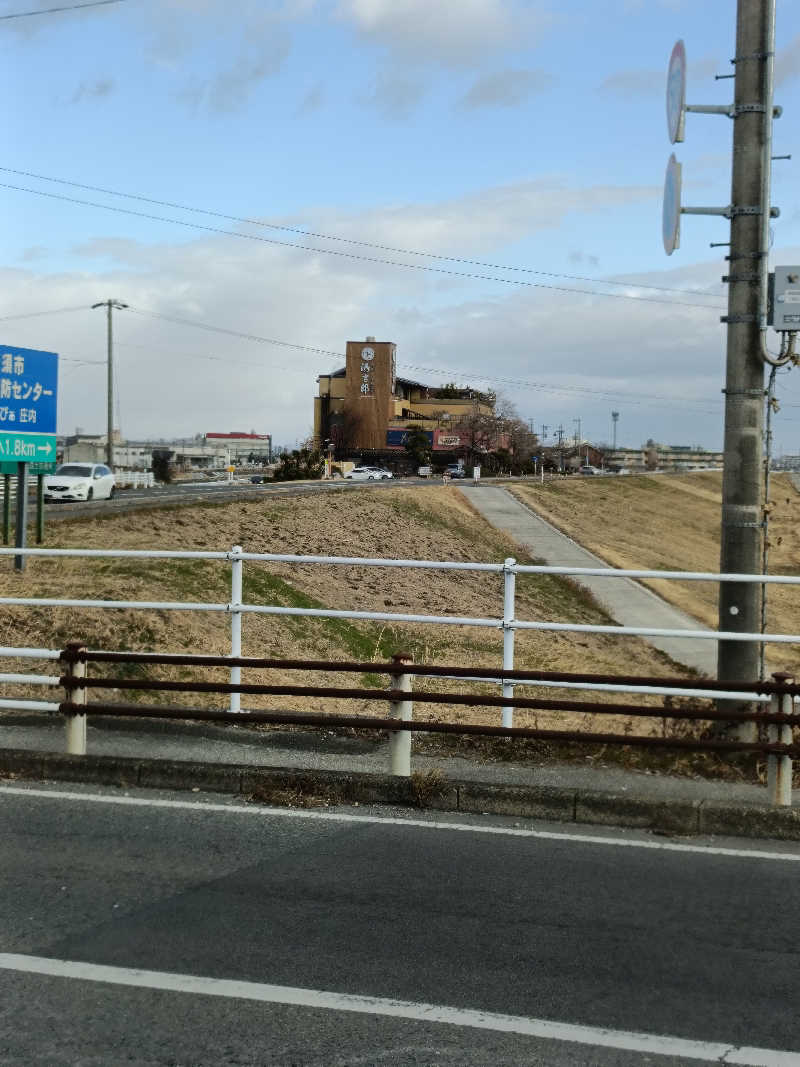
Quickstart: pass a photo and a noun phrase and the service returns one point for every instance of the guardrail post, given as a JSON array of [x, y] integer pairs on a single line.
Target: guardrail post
[[236, 624], [400, 741], [779, 768], [6, 508], [39, 508], [509, 593], [75, 725]]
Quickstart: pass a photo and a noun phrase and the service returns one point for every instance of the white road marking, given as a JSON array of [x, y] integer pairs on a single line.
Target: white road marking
[[597, 1037], [388, 820]]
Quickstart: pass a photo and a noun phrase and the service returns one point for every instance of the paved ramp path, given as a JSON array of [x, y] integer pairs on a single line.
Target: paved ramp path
[[627, 602]]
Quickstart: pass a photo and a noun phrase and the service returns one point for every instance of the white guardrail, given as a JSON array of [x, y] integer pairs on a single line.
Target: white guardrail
[[508, 622]]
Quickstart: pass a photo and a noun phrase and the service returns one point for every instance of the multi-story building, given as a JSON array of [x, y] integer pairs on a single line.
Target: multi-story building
[[242, 448], [205, 451], [365, 406], [654, 456]]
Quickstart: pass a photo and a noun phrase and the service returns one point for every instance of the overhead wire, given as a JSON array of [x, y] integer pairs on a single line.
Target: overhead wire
[[36, 314], [535, 386], [54, 10], [354, 255], [351, 240]]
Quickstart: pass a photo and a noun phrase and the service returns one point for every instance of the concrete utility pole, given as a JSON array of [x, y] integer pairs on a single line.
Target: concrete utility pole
[[614, 421], [742, 485], [108, 305]]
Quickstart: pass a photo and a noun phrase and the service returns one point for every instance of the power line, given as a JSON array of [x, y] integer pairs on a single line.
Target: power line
[[349, 240], [353, 255], [36, 314], [237, 333], [216, 359], [536, 386], [53, 10], [569, 389]]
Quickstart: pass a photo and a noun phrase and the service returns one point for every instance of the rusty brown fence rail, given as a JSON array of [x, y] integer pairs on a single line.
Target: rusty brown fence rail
[[777, 718]]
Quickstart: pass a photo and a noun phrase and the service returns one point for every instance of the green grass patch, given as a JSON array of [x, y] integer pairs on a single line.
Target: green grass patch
[[361, 641]]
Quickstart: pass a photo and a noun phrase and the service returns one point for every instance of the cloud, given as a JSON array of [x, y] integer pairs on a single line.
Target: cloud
[[93, 90], [244, 51], [312, 101], [634, 82], [394, 96], [228, 90], [787, 62], [176, 380], [506, 88], [422, 31], [642, 81], [578, 257], [34, 252]]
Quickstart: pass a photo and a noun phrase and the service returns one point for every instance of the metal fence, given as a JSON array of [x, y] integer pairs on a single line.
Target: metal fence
[[507, 622], [777, 718]]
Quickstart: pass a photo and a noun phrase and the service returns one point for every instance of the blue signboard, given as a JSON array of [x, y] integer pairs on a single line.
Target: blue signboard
[[28, 395], [28, 390], [398, 438]]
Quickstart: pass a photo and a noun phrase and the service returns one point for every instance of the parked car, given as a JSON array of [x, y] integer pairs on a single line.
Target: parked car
[[80, 481], [455, 470], [589, 470], [368, 474]]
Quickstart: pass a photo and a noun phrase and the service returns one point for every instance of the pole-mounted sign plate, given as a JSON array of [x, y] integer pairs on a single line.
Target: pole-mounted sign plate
[[671, 217], [28, 402], [676, 93]]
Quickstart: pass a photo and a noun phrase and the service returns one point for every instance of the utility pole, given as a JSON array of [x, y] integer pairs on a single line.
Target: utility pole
[[742, 484], [614, 421], [578, 437], [108, 305], [560, 432]]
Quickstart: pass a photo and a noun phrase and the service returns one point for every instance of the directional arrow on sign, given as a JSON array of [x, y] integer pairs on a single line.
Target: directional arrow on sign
[[47, 449]]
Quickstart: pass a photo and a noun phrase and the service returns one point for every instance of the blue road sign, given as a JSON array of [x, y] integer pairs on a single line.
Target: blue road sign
[[28, 396], [28, 390]]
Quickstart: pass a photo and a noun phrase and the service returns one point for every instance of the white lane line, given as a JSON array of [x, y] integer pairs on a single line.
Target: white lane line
[[388, 820], [598, 1037]]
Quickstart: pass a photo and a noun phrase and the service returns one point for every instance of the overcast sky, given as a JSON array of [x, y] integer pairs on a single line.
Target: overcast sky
[[527, 136]]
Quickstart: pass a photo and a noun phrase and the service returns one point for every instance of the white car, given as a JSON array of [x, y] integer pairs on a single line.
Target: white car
[[368, 474], [80, 481]]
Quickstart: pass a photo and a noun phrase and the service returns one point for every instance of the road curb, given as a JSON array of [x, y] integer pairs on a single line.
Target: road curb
[[429, 790]]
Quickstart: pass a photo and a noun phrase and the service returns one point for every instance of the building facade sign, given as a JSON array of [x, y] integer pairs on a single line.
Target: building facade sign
[[367, 380], [445, 440], [398, 438]]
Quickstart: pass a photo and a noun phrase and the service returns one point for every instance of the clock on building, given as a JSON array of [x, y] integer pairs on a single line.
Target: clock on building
[[368, 353]]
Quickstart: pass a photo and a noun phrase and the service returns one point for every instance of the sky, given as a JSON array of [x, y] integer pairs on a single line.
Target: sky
[[478, 181]]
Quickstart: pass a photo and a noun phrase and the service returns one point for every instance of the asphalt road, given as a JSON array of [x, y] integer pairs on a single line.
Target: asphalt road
[[149, 929], [182, 494]]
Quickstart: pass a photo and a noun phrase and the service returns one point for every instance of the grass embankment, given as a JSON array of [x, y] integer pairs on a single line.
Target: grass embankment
[[673, 523], [401, 523]]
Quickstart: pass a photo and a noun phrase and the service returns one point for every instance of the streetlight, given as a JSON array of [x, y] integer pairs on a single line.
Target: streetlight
[[108, 305]]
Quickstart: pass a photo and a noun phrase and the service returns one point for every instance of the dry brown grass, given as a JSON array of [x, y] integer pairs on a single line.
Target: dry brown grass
[[672, 523], [430, 523]]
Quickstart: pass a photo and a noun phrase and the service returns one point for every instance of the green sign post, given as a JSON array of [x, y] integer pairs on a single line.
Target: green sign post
[[28, 395]]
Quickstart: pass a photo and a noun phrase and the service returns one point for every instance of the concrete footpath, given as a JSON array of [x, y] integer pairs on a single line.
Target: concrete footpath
[[309, 768], [627, 602]]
